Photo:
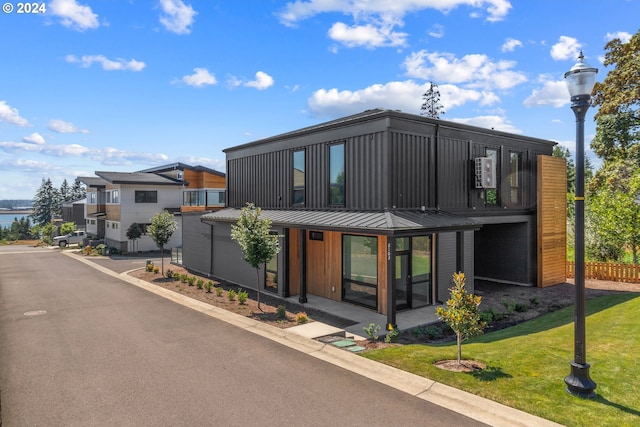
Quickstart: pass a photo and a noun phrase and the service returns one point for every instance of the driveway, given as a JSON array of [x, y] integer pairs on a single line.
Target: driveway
[[82, 348]]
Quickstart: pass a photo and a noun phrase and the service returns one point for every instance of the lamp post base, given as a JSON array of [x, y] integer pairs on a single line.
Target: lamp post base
[[579, 383]]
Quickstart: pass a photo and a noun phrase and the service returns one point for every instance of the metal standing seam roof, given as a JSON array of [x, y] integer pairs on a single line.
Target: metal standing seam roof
[[373, 221]]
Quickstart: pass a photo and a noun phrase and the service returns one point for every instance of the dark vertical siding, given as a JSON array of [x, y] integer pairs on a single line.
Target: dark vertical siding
[[365, 172], [409, 170], [317, 176], [454, 167], [446, 264]]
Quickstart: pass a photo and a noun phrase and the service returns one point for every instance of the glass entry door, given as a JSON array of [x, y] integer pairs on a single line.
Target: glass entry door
[[413, 272]]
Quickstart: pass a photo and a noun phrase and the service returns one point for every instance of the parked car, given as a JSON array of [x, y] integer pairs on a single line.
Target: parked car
[[68, 239]]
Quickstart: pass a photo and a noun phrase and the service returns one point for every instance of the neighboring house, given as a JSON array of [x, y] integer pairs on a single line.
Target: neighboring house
[[115, 200], [74, 211], [380, 208]]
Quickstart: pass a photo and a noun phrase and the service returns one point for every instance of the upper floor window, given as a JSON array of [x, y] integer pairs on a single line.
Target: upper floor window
[[113, 196], [93, 197], [146, 196], [515, 169], [336, 175], [491, 195], [299, 177]]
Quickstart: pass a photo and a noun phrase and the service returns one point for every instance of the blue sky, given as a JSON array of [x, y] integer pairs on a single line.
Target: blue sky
[[124, 85]]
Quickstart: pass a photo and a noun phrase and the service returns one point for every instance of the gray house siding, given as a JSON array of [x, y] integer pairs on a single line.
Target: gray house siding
[[196, 244]]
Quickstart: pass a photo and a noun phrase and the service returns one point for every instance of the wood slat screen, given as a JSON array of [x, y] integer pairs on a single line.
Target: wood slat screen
[[552, 220]]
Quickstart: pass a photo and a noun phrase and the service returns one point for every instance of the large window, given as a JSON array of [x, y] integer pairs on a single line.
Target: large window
[[491, 195], [360, 270], [515, 169], [193, 198], [216, 197], [299, 177], [92, 198], [336, 175], [113, 196], [146, 196]]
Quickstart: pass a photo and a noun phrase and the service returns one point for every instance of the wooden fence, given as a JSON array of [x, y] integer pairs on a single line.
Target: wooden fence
[[629, 273]]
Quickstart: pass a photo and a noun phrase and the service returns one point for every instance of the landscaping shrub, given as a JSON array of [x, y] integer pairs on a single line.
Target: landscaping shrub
[[242, 296], [208, 286], [372, 331], [301, 318]]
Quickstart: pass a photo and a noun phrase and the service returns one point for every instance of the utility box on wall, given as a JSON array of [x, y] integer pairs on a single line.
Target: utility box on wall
[[485, 169]]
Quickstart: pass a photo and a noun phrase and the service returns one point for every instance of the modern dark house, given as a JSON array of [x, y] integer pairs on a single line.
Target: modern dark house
[[379, 209]]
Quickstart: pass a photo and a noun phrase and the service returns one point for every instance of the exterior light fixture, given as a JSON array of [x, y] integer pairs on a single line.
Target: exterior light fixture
[[580, 81]]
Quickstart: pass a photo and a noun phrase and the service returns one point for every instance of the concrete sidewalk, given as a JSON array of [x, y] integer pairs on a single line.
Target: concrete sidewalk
[[302, 338]]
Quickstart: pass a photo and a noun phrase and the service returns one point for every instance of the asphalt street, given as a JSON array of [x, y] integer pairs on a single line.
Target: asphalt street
[[81, 348]]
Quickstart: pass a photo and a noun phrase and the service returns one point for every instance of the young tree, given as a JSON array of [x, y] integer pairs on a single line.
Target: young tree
[[162, 227], [462, 313], [431, 106], [133, 233], [67, 228], [257, 243]]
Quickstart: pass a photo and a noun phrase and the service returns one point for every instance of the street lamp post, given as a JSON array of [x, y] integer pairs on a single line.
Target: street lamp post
[[580, 81]]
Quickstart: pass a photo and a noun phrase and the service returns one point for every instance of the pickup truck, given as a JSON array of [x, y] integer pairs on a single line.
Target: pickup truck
[[68, 239]]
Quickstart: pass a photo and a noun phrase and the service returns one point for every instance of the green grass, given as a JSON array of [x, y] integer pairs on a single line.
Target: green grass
[[527, 364]]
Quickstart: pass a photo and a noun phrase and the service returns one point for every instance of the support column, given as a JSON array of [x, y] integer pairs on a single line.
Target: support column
[[460, 251], [391, 282], [303, 266]]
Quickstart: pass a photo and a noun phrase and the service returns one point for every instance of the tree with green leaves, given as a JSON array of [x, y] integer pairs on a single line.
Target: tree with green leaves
[[618, 99], [47, 203], [462, 313], [163, 225], [134, 232], [254, 236], [67, 228], [431, 106]]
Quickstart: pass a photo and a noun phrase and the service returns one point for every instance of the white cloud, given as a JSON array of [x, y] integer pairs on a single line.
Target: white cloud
[[405, 96], [106, 156], [490, 122], [510, 45], [300, 10], [437, 31], [622, 35], [200, 77], [178, 17], [552, 93], [11, 115], [262, 81], [74, 15], [34, 138], [60, 126], [107, 64], [474, 70], [566, 48], [374, 21], [369, 36]]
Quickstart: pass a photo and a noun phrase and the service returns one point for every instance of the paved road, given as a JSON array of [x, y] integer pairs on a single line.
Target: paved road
[[108, 353]]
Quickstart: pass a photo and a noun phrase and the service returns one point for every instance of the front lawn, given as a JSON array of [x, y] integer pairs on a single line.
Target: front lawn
[[526, 364]]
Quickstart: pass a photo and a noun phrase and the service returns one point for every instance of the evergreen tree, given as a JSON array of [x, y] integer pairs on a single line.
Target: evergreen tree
[[77, 190], [46, 204], [65, 191], [431, 106]]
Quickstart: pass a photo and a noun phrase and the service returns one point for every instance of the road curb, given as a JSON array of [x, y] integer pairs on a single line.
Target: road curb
[[470, 405]]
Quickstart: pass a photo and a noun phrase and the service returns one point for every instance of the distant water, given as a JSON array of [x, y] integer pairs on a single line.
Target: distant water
[[7, 218]]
